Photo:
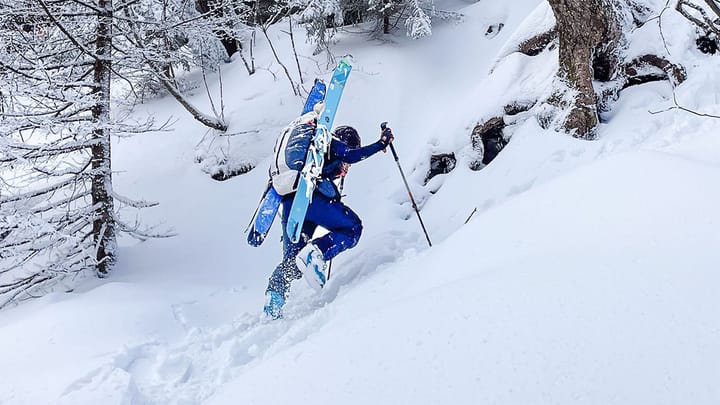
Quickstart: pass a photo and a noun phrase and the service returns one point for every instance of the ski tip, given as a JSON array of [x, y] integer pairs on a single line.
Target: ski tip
[[347, 59]]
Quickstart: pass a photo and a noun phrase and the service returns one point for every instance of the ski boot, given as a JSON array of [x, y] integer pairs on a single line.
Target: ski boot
[[311, 263], [273, 304]]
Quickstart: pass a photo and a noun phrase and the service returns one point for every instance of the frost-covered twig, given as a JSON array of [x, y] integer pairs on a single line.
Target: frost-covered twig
[[141, 233], [660, 28], [292, 42], [277, 58], [210, 97], [704, 21], [250, 131], [21, 286], [677, 106], [133, 203]]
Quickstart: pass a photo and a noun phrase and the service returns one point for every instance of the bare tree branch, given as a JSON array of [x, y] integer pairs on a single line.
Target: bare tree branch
[[65, 31], [677, 106]]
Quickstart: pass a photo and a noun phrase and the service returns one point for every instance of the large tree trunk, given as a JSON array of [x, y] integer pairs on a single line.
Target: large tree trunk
[[104, 220], [590, 33]]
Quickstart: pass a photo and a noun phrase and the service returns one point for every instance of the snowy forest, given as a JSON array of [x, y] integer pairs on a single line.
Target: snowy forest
[[562, 155], [72, 73]]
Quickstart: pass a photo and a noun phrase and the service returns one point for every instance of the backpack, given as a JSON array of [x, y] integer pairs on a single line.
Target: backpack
[[291, 149]]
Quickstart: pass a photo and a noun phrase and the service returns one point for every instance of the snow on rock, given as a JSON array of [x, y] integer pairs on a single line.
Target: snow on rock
[[540, 20]]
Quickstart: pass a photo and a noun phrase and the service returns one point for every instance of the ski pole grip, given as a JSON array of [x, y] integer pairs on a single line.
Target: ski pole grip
[[383, 125]]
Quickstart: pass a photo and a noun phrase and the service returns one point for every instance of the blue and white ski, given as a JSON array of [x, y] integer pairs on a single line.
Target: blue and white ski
[[266, 211], [318, 148]]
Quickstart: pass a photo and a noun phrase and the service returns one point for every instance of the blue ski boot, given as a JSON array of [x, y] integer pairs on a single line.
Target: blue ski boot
[[273, 304]]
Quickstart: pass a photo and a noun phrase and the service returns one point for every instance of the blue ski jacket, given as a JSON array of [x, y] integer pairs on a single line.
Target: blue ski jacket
[[340, 153]]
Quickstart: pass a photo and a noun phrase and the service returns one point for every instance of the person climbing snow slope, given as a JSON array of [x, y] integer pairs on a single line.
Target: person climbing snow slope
[[308, 258]]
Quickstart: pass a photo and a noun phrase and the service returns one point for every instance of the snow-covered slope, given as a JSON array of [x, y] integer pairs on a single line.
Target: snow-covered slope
[[587, 274], [599, 295]]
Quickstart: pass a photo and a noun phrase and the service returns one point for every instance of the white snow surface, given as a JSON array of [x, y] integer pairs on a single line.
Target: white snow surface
[[587, 275]]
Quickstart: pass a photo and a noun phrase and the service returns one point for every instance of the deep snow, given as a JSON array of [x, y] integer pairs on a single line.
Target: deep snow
[[587, 274]]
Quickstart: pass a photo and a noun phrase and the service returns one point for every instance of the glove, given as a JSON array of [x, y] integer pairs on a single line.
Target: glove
[[386, 137]]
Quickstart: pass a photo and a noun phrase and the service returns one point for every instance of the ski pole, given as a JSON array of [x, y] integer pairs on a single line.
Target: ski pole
[[412, 199]]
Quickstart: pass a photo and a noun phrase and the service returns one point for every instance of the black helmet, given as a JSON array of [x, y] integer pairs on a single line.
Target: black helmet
[[348, 135]]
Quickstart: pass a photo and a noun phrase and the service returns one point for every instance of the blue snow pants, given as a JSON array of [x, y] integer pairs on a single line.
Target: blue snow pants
[[343, 225]]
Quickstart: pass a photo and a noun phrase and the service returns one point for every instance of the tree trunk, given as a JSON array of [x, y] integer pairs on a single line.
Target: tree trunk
[[103, 221], [386, 16], [590, 33]]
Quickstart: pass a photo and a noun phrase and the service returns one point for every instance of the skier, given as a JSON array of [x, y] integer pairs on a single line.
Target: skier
[[309, 258]]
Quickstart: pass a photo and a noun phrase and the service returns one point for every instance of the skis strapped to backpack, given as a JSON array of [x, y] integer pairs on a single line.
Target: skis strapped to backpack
[[269, 204], [316, 154]]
